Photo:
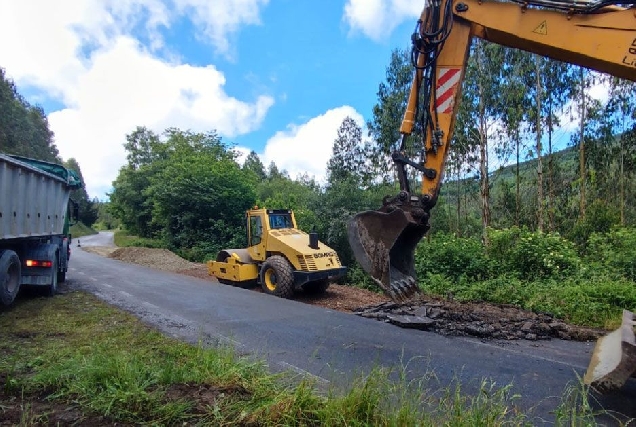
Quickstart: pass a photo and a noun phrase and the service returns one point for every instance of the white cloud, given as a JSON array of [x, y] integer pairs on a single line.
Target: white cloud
[[378, 18], [306, 148], [85, 55], [218, 18]]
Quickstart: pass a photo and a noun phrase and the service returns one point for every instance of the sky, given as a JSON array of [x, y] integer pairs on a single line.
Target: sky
[[274, 76]]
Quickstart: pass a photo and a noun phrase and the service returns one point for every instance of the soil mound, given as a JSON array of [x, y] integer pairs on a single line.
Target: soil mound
[[161, 259]]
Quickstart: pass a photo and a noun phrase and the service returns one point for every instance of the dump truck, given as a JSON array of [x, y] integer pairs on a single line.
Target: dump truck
[[598, 34], [35, 215], [279, 257]]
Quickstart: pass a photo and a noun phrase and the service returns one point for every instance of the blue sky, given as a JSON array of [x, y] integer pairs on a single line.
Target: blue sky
[[273, 76]]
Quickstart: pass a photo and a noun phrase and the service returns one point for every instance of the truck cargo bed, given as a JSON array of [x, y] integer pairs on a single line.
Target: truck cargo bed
[[33, 197]]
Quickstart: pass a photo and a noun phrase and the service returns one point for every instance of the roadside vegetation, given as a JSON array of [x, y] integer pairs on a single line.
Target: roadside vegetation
[[96, 364], [79, 229], [542, 272]]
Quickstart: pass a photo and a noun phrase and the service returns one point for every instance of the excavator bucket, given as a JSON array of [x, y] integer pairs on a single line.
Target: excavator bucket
[[614, 357], [384, 246]]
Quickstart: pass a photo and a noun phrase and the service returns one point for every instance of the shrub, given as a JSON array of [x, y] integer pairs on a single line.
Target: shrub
[[615, 250], [452, 257], [532, 255], [600, 218]]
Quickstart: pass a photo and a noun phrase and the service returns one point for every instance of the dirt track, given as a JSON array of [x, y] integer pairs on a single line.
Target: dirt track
[[446, 317]]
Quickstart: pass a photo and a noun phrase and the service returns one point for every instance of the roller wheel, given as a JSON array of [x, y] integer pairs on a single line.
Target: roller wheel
[[10, 273], [277, 277], [318, 287]]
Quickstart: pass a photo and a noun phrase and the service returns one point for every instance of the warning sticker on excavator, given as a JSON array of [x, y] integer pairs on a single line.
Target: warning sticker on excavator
[[447, 82], [542, 29]]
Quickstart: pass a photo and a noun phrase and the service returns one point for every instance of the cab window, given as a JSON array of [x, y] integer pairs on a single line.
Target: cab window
[[280, 221], [256, 230]]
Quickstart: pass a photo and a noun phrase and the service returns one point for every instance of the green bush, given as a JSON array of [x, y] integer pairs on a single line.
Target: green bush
[[600, 218], [123, 240], [532, 255], [615, 250], [453, 257]]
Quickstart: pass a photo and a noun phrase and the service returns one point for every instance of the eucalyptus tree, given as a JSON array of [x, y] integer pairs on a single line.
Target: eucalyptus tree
[[513, 115], [621, 108], [558, 82], [384, 127], [590, 121], [481, 105]]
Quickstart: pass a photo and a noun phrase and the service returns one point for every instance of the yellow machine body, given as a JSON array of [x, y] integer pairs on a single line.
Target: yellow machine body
[[279, 256]]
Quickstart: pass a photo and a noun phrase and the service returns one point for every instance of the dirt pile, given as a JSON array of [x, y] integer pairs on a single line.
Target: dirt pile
[[161, 259], [482, 320]]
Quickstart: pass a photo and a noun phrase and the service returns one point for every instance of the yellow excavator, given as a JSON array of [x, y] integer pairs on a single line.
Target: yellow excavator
[[600, 35]]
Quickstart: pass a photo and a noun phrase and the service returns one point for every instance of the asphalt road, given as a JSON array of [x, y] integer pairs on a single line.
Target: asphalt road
[[331, 346]]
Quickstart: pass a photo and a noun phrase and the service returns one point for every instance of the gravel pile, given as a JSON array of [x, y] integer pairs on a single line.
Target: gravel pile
[[161, 259]]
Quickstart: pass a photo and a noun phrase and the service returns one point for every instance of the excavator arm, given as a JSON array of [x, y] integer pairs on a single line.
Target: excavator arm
[[599, 35]]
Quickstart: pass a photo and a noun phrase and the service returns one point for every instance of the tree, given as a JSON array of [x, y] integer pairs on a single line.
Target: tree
[[105, 218], [254, 165], [185, 188], [514, 109], [142, 148], [24, 129], [129, 201], [348, 157], [273, 172], [621, 111], [481, 106], [199, 201], [384, 128], [87, 209]]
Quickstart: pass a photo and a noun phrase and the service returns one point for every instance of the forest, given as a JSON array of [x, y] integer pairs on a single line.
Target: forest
[[537, 206]]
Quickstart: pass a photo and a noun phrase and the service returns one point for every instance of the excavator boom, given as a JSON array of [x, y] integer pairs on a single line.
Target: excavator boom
[[600, 35]]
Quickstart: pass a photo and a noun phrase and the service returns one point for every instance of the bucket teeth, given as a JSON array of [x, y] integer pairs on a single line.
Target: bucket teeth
[[384, 245]]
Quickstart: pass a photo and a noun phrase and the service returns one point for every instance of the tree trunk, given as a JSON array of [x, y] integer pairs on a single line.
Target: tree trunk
[[551, 207], [459, 199], [483, 159], [539, 148], [582, 171], [622, 180], [518, 192]]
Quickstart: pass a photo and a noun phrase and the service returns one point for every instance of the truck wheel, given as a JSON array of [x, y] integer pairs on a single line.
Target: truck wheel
[[277, 277], [318, 287], [61, 276], [10, 275], [52, 289]]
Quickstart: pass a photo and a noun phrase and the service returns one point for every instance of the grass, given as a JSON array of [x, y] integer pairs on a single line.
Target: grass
[[101, 365], [123, 240], [79, 229]]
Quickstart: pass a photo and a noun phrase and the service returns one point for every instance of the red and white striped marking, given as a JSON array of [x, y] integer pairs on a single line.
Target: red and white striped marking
[[447, 81]]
